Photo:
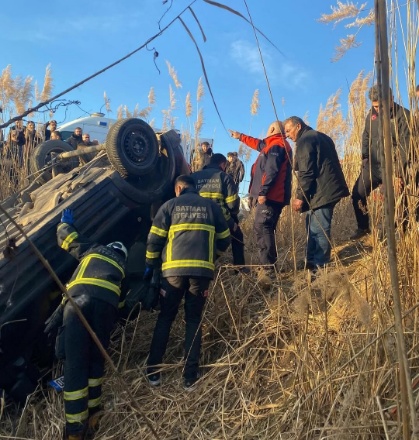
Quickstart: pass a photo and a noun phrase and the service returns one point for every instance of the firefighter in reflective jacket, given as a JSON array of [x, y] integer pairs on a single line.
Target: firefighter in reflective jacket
[[187, 234], [214, 183], [96, 288]]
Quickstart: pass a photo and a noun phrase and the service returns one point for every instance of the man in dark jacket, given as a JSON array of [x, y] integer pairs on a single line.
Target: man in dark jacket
[[370, 177], [76, 138], [270, 187], [321, 184], [96, 288], [187, 234], [235, 168], [86, 142], [202, 157], [49, 127], [213, 183]]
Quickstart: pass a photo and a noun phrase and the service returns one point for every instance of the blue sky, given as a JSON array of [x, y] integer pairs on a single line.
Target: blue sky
[[80, 38]]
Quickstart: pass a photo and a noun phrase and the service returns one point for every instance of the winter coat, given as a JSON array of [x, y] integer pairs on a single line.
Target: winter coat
[[101, 268], [74, 140], [400, 135], [213, 183], [271, 173], [201, 159], [235, 169], [187, 234], [320, 177]]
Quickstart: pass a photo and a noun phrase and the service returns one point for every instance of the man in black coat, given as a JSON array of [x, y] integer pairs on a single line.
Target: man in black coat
[[370, 177], [76, 138], [187, 235], [96, 288], [321, 184], [214, 183]]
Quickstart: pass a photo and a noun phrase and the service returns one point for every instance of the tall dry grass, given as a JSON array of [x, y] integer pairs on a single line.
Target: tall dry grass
[[303, 359]]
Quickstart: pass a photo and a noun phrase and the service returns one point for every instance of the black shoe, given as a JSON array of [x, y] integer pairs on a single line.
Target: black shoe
[[306, 265], [154, 379], [190, 384], [360, 233], [243, 270]]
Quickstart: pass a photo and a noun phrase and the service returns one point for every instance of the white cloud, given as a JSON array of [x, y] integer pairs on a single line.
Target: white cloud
[[279, 70]]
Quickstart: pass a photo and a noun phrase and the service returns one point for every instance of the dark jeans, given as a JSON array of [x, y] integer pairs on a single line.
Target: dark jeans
[[237, 246], [173, 289], [365, 183], [84, 364], [266, 219], [318, 224]]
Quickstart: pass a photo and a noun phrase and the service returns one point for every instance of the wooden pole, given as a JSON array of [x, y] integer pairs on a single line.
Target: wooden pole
[[386, 101]]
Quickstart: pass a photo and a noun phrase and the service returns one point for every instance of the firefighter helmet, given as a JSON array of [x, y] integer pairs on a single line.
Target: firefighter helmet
[[118, 246]]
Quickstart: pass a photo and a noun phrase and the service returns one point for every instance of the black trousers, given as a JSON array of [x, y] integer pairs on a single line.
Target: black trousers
[[237, 245], [366, 182], [173, 289], [84, 364], [266, 219]]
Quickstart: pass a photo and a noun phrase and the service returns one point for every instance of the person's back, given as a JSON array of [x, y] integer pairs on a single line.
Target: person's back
[[330, 185], [215, 184], [193, 219]]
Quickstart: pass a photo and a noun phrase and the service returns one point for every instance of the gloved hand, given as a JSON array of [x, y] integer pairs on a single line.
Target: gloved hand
[[67, 216], [148, 273], [151, 298], [55, 321]]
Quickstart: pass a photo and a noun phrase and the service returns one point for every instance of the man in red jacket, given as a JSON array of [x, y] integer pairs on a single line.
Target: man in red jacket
[[270, 187]]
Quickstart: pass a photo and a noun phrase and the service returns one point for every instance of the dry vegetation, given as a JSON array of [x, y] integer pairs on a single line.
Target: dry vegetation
[[300, 360]]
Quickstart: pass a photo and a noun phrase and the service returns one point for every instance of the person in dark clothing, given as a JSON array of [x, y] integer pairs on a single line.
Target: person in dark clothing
[[213, 183], [56, 135], [76, 138], [86, 142], [32, 138], [202, 157], [370, 176], [235, 168], [17, 140], [96, 288], [187, 235], [49, 127], [321, 184], [270, 187]]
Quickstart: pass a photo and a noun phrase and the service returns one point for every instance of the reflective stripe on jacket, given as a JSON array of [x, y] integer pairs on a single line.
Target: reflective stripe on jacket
[[213, 183], [187, 234], [100, 271]]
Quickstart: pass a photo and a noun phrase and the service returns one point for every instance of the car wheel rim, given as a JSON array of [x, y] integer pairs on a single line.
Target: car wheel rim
[[136, 147]]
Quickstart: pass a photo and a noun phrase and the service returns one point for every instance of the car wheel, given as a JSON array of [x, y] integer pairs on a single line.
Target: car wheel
[[42, 156], [132, 147]]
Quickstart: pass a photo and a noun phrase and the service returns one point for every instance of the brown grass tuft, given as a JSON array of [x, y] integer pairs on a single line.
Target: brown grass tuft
[[48, 84], [341, 12], [254, 106], [188, 105], [173, 75], [200, 91]]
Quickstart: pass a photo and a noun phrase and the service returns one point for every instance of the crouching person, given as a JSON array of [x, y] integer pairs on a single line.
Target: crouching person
[[187, 234], [96, 288]]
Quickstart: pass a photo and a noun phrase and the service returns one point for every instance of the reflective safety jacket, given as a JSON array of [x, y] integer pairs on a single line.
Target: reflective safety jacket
[[271, 173], [100, 271], [187, 234], [213, 183]]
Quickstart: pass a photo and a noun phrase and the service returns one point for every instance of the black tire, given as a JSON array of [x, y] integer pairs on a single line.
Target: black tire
[[132, 147], [42, 156]]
